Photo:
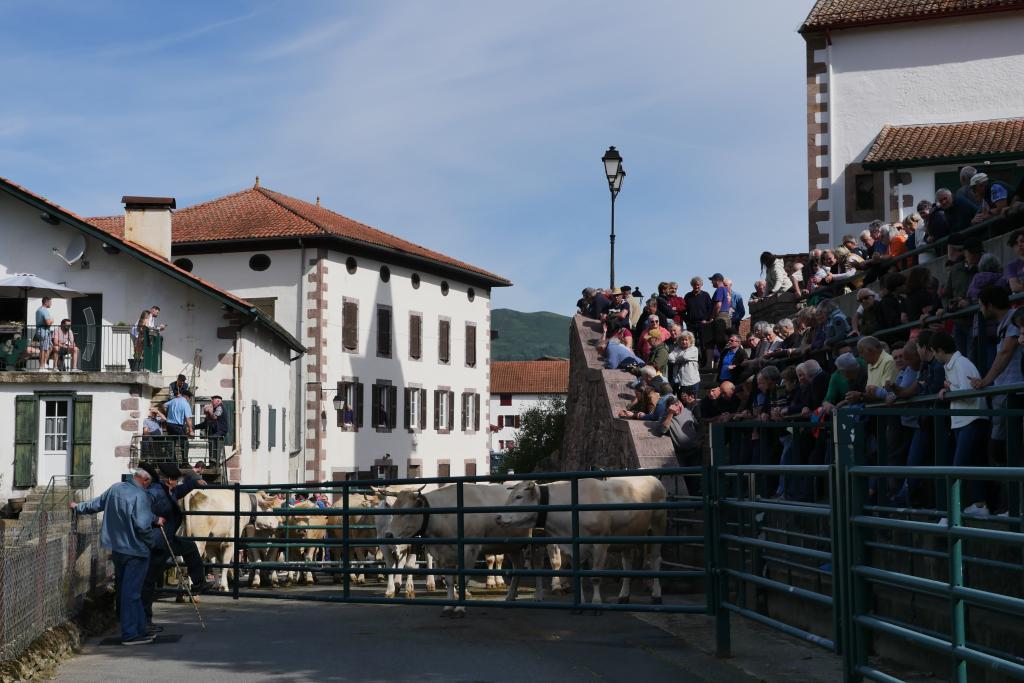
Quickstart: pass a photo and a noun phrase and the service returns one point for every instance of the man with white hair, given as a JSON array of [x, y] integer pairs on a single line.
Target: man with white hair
[[965, 190], [882, 369], [128, 523]]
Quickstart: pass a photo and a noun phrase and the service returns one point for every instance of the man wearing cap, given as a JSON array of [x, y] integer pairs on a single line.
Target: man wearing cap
[[992, 196], [164, 493], [127, 532], [618, 313]]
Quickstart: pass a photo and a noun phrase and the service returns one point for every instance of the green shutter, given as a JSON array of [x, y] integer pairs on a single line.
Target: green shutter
[[271, 427], [26, 440], [229, 412], [81, 445]]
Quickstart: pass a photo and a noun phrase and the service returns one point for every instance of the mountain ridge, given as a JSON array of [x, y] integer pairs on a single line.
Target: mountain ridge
[[528, 336]]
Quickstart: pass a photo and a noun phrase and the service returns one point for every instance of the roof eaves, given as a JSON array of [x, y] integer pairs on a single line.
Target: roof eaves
[[72, 219]]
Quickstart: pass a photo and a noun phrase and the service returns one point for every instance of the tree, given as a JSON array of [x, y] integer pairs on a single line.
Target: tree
[[539, 437]]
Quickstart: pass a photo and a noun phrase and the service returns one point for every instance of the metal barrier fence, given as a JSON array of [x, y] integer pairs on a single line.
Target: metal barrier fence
[[932, 576], [177, 449], [459, 519], [48, 564], [99, 348]]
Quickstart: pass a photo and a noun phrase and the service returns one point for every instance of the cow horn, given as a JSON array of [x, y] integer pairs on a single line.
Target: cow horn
[[420, 489]]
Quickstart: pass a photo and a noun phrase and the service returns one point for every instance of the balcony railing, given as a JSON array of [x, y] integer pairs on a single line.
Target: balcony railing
[[90, 348], [177, 450]]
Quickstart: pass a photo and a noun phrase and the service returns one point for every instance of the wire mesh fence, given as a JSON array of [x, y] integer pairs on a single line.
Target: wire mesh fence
[[49, 562]]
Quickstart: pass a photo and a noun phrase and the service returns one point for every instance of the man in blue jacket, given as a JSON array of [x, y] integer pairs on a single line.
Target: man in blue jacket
[[164, 493], [127, 526]]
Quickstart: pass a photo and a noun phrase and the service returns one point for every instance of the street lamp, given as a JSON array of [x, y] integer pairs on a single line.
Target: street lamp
[[615, 174]]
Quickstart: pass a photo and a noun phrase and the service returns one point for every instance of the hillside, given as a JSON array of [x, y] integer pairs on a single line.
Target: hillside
[[526, 336]]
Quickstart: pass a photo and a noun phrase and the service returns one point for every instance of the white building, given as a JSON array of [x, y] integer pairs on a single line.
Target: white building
[[900, 96], [400, 333], [517, 386], [83, 423]]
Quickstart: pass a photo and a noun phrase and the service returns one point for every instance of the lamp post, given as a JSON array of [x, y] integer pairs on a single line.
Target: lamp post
[[615, 174]]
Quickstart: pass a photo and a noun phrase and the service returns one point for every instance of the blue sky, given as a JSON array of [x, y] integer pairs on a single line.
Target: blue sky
[[474, 128]]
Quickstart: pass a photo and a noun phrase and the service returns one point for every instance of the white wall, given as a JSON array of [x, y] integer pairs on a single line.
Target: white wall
[[921, 72], [108, 411], [267, 381], [287, 280], [128, 286], [520, 404]]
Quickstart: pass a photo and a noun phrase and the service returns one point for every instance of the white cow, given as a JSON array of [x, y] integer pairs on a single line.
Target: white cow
[[214, 527], [399, 557], [597, 522], [432, 525], [360, 553]]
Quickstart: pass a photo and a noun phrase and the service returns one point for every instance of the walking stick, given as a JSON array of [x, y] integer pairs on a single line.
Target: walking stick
[[182, 577]]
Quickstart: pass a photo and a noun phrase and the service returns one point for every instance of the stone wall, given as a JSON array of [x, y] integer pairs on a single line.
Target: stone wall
[[594, 438]]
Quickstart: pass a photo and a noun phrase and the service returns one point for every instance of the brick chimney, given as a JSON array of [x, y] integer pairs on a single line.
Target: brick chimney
[[147, 223]]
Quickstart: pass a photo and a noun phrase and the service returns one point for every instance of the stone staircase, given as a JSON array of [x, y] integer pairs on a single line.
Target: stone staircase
[[54, 501]]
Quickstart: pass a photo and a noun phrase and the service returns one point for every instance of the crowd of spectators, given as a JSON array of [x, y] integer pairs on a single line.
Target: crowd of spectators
[[693, 368]]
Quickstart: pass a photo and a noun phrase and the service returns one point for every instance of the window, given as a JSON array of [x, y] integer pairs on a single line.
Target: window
[[444, 341], [184, 264], [265, 306], [384, 332], [385, 405], [415, 280], [471, 294], [443, 418], [385, 273], [56, 426], [471, 468], [259, 262], [470, 412], [444, 469], [414, 471], [470, 345], [271, 427], [865, 194], [512, 421], [415, 336], [444, 288], [506, 399], [350, 325], [351, 265], [350, 417], [255, 425], [415, 409]]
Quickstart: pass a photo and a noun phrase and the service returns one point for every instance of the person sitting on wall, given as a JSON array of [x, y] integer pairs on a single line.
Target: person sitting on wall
[[617, 357]]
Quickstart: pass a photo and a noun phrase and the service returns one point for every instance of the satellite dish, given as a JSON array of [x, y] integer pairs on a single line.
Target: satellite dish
[[74, 251]]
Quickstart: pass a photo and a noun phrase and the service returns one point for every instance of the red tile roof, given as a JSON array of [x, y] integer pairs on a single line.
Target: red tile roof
[[530, 377], [259, 213], [154, 259], [963, 141], [836, 14]]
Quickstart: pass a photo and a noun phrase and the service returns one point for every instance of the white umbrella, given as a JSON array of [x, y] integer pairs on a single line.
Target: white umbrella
[[26, 285]]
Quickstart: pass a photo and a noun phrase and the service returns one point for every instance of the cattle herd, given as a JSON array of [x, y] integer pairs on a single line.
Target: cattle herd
[[284, 543]]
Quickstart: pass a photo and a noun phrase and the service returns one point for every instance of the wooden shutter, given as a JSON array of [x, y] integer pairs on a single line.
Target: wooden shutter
[[81, 441], [437, 410], [444, 470], [519, 421], [471, 469], [423, 408], [392, 407], [451, 410], [415, 336], [349, 326], [284, 429], [271, 427], [471, 345], [255, 425], [407, 420], [358, 408], [26, 440], [476, 412], [229, 413], [465, 411], [375, 420], [444, 341], [383, 332], [501, 422]]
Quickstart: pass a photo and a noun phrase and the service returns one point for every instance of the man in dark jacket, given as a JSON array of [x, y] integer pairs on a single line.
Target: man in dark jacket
[[164, 495]]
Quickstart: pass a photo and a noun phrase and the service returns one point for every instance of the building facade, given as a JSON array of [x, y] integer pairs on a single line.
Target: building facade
[[61, 423], [900, 97], [395, 381], [517, 386]]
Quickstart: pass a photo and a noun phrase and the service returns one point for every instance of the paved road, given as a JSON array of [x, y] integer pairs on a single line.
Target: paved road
[[290, 641]]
